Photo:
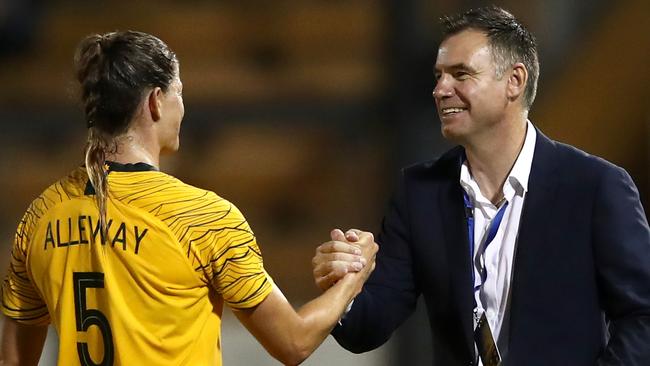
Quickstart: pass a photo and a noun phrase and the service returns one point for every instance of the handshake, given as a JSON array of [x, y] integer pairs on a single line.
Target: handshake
[[346, 255]]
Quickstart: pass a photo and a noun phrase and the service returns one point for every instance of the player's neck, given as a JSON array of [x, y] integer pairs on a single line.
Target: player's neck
[[490, 162], [132, 149]]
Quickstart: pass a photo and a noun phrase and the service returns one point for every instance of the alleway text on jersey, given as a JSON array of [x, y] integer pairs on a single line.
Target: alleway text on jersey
[[81, 231]]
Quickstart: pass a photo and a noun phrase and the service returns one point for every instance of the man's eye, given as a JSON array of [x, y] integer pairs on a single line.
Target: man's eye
[[461, 75]]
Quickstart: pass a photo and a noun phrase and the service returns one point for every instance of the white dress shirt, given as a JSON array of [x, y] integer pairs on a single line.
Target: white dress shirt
[[492, 298]]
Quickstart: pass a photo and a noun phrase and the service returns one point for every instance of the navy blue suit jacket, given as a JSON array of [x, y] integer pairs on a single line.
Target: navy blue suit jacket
[[580, 292]]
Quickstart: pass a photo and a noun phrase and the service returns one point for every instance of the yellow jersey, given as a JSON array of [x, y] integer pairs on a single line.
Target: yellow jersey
[[153, 293]]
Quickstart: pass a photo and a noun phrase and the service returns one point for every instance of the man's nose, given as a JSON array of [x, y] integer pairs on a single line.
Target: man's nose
[[443, 88]]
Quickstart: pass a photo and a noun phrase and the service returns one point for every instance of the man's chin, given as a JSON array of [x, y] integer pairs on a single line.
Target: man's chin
[[451, 134]]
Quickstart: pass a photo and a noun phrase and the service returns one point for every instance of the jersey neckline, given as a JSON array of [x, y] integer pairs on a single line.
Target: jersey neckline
[[119, 167], [130, 167]]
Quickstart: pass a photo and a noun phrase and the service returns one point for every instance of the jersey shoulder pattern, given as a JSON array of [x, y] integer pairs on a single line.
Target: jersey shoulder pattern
[[21, 301], [213, 234]]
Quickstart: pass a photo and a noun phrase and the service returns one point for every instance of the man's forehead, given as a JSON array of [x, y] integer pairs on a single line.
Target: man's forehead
[[462, 48], [469, 34]]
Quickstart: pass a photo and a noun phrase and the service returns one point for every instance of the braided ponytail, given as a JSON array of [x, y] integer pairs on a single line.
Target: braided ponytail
[[89, 61], [95, 161]]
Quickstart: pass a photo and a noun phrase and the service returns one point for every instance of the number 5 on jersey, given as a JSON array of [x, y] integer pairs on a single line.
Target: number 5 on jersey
[[86, 317]]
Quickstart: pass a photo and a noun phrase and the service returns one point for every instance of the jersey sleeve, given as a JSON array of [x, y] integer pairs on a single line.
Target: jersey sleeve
[[20, 299], [231, 259]]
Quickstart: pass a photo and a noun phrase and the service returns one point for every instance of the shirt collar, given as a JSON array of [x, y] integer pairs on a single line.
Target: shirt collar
[[130, 167], [521, 170], [112, 166], [517, 180]]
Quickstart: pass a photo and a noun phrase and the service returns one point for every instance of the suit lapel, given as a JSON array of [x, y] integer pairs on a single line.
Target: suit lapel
[[533, 226], [457, 247]]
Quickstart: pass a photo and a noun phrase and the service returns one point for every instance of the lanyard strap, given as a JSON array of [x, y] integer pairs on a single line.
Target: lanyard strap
[[492, 232]]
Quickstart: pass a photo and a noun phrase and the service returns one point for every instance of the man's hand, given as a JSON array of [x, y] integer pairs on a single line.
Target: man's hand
[[345, 253]]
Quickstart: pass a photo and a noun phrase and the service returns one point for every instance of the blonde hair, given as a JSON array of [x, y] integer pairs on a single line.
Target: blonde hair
[[95, 161]]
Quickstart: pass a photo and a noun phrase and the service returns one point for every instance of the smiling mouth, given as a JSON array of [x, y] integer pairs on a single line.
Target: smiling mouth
[[445, 112]]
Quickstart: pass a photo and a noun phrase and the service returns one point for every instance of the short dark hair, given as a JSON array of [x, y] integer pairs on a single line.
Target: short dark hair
[[509, 41]]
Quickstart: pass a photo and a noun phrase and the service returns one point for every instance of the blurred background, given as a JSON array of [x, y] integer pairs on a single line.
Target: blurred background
[[301, 112]]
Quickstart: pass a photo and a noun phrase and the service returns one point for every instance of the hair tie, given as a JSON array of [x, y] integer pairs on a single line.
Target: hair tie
[[90, 123], [101, 40]]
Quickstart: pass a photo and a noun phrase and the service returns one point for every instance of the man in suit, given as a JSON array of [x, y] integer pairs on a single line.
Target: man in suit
[[527, 251]]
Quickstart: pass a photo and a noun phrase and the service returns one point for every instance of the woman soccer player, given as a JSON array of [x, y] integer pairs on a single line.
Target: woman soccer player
[[131, 265]]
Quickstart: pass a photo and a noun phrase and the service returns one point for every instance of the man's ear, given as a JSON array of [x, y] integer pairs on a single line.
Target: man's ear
[[154, 102], [517, 81]]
